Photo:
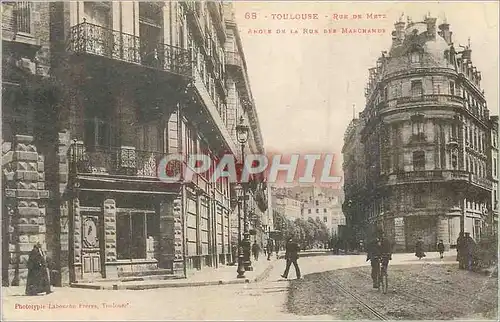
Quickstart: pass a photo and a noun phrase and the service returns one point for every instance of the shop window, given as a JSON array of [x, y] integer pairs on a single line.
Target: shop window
[[132, 231]]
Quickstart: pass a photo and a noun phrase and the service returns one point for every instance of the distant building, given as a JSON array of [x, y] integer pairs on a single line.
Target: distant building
[[289, 207]]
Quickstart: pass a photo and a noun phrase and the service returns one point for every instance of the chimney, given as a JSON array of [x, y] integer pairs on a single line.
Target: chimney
[[445, 32], [431, 27]]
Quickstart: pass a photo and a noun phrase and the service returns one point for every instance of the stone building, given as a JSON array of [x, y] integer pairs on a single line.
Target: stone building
[[354, 181], [494, 172], [426, 138], [285, 204], [95, 94]]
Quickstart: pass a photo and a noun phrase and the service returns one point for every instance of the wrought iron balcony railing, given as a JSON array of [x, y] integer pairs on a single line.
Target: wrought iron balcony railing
[[97, 40], [123, 160]]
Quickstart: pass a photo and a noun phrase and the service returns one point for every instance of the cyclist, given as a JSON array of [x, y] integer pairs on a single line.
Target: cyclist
[[378, 251]]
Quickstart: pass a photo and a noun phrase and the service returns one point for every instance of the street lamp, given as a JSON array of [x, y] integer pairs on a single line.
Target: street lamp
[[242, 132], [240, 270]]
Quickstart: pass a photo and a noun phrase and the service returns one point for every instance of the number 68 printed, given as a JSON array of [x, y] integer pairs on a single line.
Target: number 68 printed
[[251, 15]]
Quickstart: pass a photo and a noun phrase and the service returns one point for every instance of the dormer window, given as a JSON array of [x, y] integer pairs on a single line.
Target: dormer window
[[414, 57]]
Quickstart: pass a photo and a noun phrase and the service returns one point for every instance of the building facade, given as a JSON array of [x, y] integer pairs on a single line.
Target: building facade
[[284, 204], [426, 139], [494, 174], [118, 85]]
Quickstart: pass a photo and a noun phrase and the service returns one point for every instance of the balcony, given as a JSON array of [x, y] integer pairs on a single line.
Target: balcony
[[234, 59], [91, 39], [124, 161], [215, 9], [431, 98], [409, 177]]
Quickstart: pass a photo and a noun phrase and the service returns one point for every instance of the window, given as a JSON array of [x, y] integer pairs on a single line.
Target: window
[[452, 88], [132, 231], [22, 14], [415, 57], [324, 210], [317, 202], [317, 211], [386, 93], [308, 211], [97, 132], [148, 137], [418, 161], [494, 167], [325, 219], [416, 88]]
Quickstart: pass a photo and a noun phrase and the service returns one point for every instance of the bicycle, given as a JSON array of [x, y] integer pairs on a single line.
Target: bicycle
[[382, 279]]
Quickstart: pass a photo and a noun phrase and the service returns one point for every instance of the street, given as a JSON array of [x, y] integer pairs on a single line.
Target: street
[[334, 287]]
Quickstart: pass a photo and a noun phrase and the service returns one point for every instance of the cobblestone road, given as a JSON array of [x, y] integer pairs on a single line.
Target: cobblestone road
[[273, 299]]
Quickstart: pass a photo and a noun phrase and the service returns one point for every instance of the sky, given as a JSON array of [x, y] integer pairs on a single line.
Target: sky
[[305, 85]]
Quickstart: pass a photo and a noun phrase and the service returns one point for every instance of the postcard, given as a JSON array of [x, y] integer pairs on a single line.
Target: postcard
[[250, 160]]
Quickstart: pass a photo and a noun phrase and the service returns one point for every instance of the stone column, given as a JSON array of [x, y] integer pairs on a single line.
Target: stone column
[[171, 236], [110, 238], [26, 198], [76, 231], [443, 231], [399, 234], [60, 211]]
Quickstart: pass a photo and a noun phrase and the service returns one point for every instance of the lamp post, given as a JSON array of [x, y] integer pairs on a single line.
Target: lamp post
[[242, 131], [240, 270]]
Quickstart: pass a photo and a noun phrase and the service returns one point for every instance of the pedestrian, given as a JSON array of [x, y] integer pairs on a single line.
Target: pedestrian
[[378, 250], [255, 250], [419, 248], [470, 247], [461, 251], [38, 280], [277, 249], [440, 248], [291, 257], [270, 248]]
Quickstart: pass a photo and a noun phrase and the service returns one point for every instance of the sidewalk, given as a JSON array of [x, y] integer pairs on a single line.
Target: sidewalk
[[207, 276]]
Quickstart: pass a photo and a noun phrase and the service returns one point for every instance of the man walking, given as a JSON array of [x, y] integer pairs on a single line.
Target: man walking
[[270, 248], [291, 256], [255, 250]]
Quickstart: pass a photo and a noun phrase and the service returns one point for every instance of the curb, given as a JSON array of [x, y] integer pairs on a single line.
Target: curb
[[262, 276]]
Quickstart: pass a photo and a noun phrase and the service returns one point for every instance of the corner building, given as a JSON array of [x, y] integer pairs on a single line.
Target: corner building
[[120, 84], [426, 138]]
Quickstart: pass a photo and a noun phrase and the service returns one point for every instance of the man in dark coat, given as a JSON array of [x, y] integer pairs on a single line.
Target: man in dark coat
[[291, 256], [270, 248], [38, 280], [378, 251], [255, 250], [470, 247], [461, 252]]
